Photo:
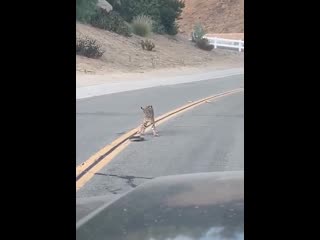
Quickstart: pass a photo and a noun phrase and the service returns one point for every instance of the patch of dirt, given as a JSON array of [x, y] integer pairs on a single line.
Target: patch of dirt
[[216, 16]]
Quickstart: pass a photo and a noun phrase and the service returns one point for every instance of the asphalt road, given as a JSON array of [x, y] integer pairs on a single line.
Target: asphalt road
[[205, 139], [100, 120]]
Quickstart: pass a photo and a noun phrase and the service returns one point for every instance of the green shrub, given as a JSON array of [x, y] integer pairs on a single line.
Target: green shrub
[[128, 9], [142, 25], [163, 12], [85, 9], [198, 33], [204, 44], [111, 21], [158, 28], [170, 10], [173, 30], [88, 47]]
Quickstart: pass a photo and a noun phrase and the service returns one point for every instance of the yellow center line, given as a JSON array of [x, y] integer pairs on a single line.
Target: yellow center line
[[97, 161]]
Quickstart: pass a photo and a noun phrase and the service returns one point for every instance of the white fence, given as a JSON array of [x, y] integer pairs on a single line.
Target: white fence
[[228, 43]]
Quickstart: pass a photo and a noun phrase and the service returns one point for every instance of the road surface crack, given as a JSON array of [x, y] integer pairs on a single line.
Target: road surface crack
[[115, 191], [129, 179]]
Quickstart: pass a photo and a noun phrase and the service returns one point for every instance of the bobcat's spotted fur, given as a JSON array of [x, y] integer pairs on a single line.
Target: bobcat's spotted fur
[[148, 118]]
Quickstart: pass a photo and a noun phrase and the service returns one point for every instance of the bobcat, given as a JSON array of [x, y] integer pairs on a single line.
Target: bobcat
[[148, 117]]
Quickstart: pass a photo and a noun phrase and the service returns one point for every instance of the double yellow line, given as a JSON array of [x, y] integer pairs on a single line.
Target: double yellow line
[[86, 170]]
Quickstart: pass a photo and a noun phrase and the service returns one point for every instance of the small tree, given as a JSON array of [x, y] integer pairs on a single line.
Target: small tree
[[198, 32], [170, 11], [85, 9]]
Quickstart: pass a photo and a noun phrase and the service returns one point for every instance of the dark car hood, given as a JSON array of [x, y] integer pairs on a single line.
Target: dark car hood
[[184, 207]]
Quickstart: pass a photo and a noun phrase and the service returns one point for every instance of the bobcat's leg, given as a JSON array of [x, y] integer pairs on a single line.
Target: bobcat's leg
[[143, 127], [153, 127]]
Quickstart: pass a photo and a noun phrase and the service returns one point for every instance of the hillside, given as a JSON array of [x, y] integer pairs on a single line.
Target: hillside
[[217, 16], [124, 54]]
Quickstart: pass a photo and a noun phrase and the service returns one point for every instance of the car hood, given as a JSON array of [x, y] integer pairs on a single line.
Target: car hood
[[183, 207]]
